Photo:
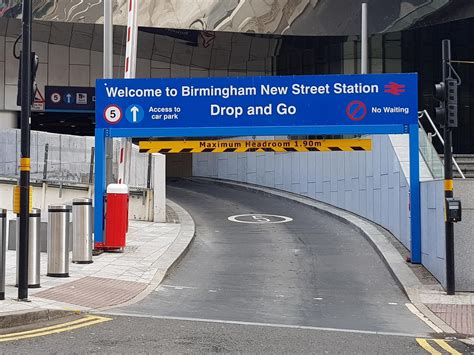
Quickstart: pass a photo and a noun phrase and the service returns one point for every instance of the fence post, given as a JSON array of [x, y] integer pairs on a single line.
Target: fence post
[[91, 166], [45, 166], [91, 172], [149, 191]]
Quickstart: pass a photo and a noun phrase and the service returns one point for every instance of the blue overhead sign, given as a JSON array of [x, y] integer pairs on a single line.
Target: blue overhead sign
[[310, 100], [265, 106], [69, 98]]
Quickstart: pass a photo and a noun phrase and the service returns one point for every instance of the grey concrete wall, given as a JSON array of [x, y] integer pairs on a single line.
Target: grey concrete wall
[[464, 236], [434, 236], [7, 118], [432, 228]]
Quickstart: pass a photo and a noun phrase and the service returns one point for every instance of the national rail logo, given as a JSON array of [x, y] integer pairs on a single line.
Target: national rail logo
[[394, 88]]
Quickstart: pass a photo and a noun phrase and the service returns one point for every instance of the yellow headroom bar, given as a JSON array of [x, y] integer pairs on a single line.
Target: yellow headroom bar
[[244, 146], [25, 164]]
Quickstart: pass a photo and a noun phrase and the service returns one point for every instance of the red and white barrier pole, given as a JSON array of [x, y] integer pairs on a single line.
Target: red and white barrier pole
[[130, 68]]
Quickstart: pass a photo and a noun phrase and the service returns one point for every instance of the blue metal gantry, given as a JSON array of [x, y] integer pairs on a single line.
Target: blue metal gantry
[[395, 124]]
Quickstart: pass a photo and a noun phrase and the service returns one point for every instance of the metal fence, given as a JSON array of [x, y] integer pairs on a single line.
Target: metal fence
[[60, 158]]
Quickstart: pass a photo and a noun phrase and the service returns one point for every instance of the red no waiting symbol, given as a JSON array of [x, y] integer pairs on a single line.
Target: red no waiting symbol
[[356, 110]]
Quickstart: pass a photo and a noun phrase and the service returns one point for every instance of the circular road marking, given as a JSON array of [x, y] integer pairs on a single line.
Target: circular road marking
[[356, 110], [259, 218], [112, 114]]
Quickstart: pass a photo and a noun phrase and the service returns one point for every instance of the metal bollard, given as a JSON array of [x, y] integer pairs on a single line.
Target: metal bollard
[[58, 240], [82, 231], [34, 256], [3, 250]]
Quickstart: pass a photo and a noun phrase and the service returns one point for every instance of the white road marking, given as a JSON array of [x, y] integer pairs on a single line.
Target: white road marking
[[393, 303], [259, 218], [272, 325], [178, 287], [425, 319]]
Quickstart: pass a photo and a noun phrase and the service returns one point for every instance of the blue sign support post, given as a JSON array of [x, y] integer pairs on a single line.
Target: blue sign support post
[[415, 205], [99, 184], [258, 106]]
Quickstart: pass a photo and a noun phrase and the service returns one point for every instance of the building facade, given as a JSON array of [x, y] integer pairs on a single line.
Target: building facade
[[199, 38]]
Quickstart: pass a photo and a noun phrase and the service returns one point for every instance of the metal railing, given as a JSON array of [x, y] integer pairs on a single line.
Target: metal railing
[[430, 136], [430, 155]]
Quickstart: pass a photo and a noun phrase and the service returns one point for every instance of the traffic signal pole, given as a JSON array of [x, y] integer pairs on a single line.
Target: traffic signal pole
[[448, 177], [26, 94]]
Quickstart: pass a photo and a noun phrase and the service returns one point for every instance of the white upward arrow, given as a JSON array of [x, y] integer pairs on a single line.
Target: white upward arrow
[[134, 110]]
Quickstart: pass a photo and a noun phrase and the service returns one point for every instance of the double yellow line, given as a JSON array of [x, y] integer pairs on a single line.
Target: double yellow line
[[54, 329], [424, 343]]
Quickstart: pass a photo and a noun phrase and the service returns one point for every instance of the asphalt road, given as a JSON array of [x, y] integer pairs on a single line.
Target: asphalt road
[[313, 271], [130, 335], [311, 285]]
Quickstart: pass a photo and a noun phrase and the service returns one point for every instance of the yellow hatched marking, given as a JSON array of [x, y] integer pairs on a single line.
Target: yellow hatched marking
[[425, 345], [55, 329], [242, 146], [447, 347]]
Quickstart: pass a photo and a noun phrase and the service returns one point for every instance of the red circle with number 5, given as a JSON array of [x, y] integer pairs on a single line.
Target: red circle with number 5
[[113, 114]]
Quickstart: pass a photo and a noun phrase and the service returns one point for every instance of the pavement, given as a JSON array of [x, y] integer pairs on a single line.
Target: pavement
[[444, 314], [113, 279]]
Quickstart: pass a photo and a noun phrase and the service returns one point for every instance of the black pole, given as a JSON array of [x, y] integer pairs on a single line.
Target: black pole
[[25, 150], [448, 178]]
